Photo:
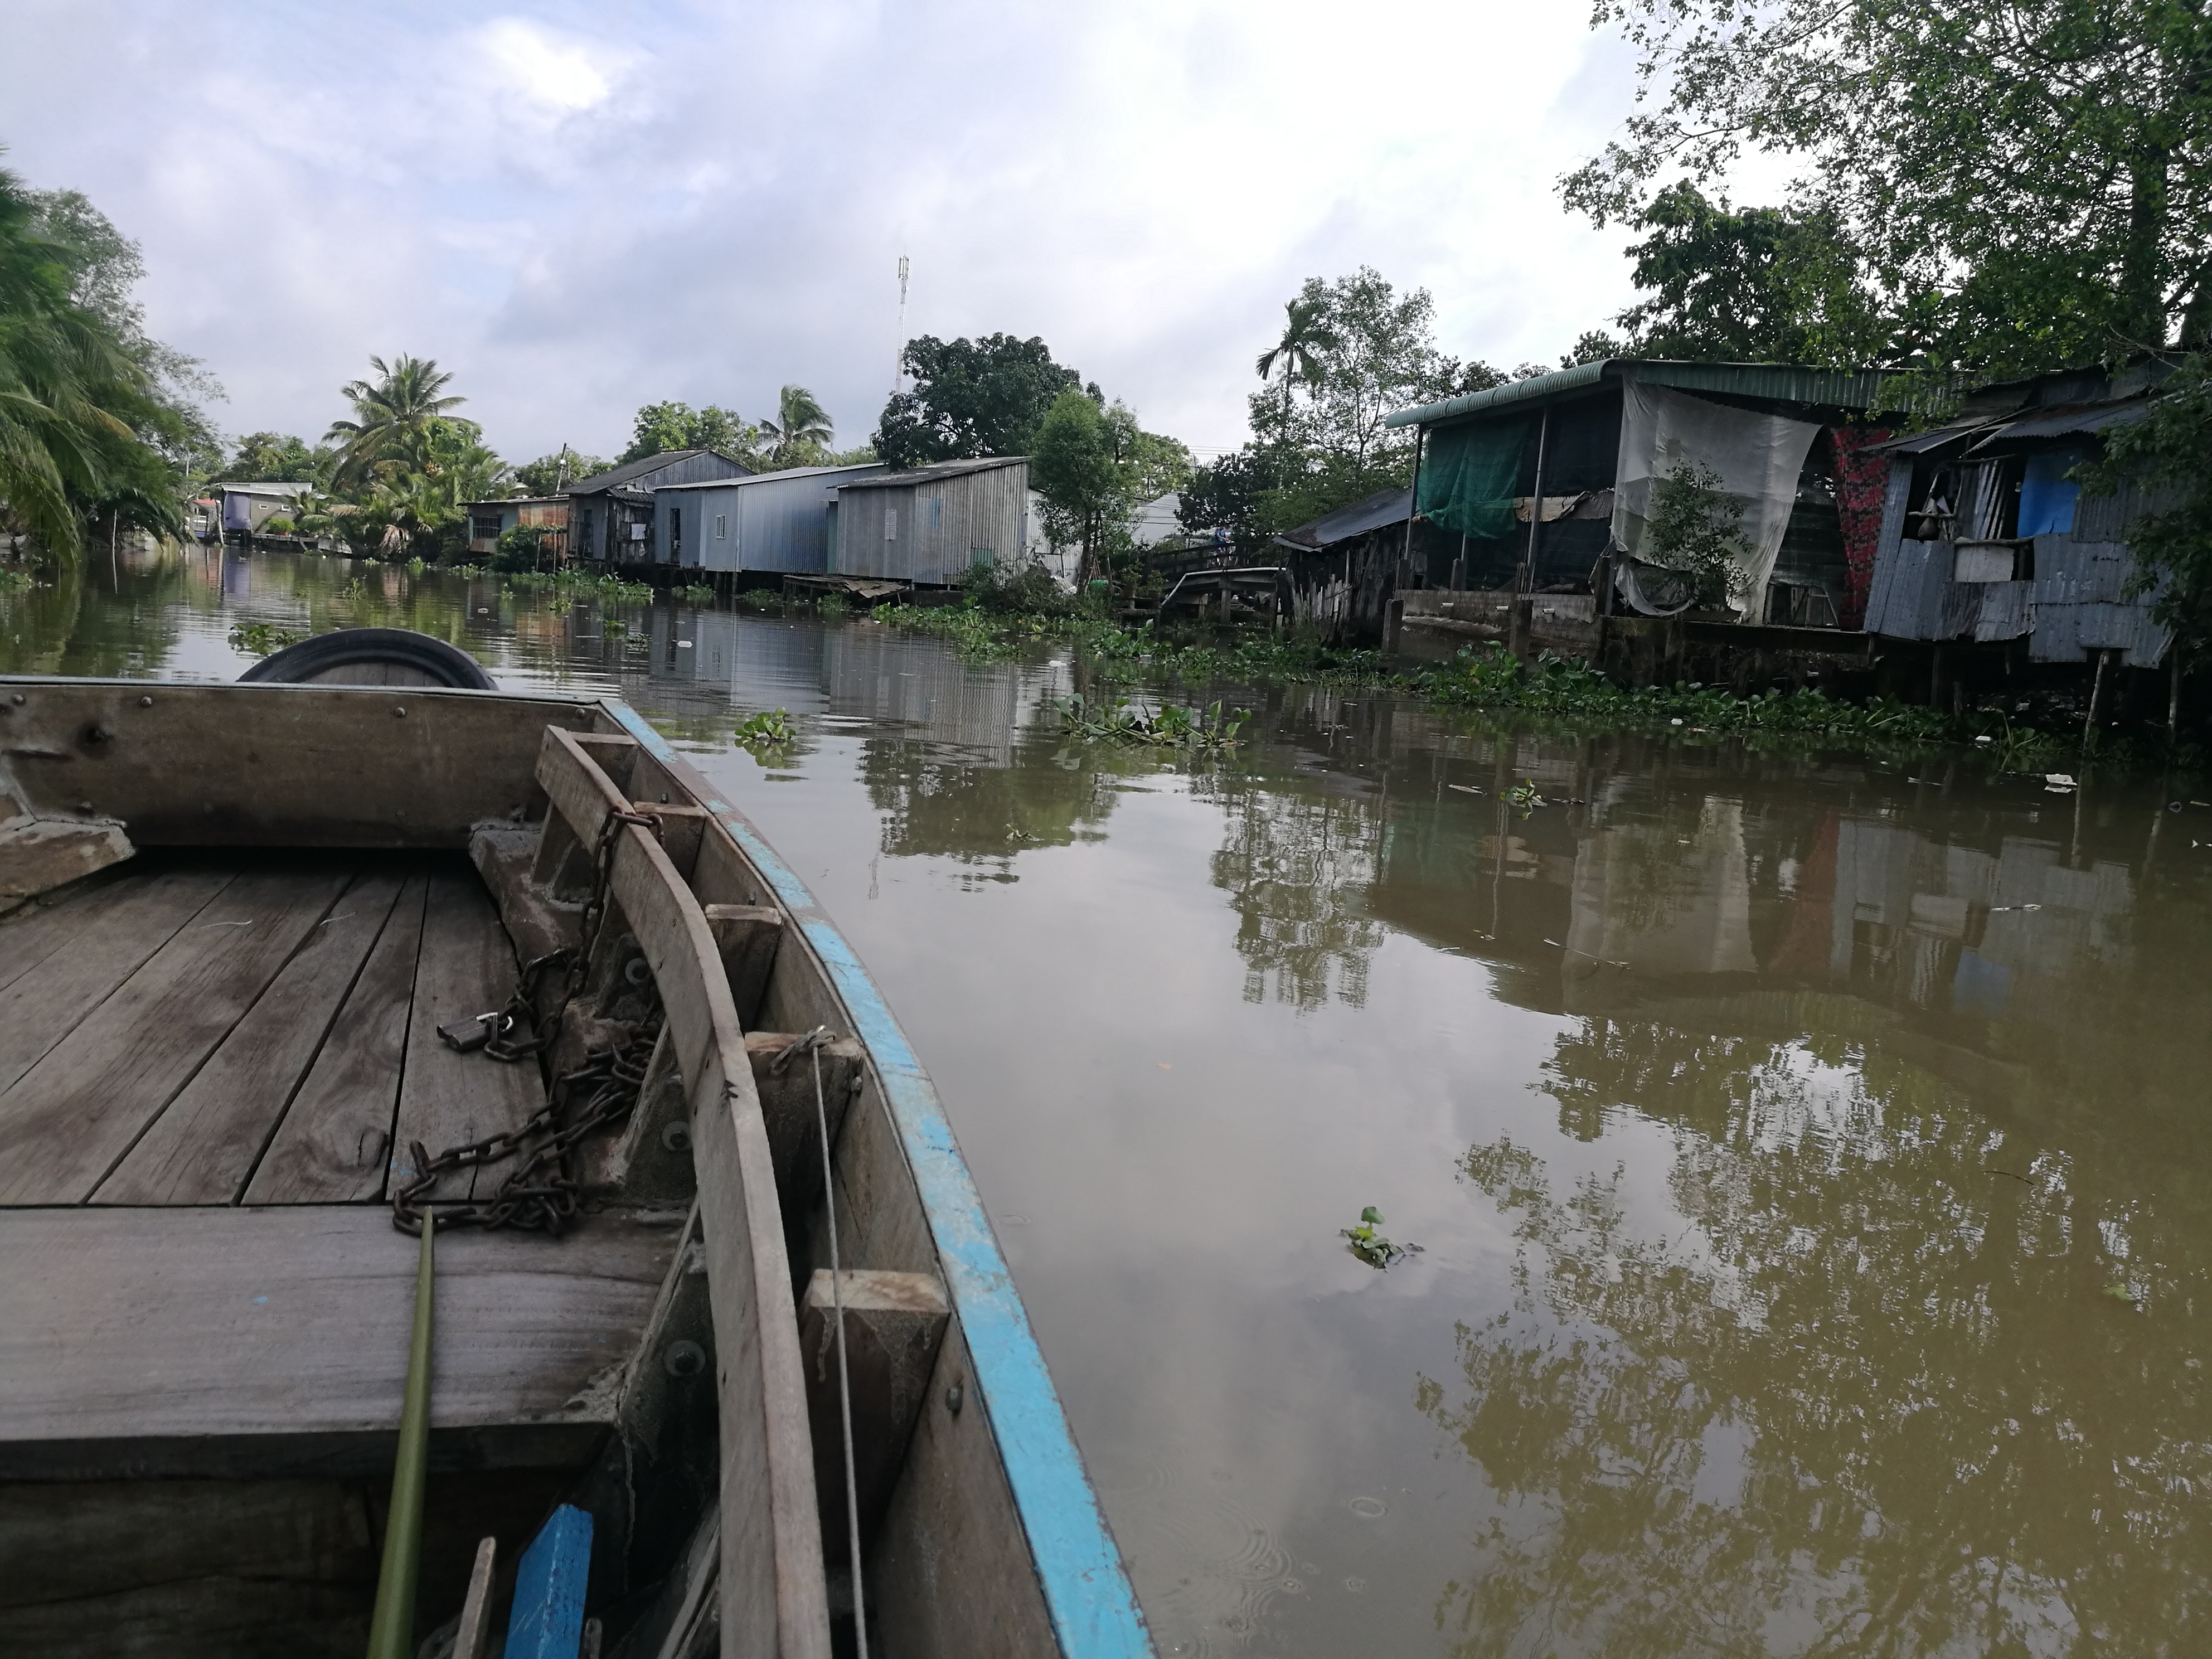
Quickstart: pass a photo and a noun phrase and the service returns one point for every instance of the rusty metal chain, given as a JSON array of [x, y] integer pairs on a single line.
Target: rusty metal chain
[[540, 1194]]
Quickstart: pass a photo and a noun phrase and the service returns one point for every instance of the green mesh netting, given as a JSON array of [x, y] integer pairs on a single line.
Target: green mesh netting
[[1467, 476]]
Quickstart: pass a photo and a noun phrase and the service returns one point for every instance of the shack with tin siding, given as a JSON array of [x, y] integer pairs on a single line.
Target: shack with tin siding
[[777, 521], [928, 526], [610, 516]]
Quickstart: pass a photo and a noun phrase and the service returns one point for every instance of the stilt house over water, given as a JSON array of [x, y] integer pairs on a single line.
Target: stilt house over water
[[1985, 538], [610, 516], [1544, 486], [777, 521], [929, 524]]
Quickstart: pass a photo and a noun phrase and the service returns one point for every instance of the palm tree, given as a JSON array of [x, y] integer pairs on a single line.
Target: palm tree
[[1306, 337], [800, 431], [399, 412], [73, 400]]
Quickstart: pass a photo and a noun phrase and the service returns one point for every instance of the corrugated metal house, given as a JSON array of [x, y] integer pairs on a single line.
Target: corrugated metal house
[[490, 520], [1545, 485], [247, 506], [610, 517], [1984, 538], [930, 525], [776, 522]]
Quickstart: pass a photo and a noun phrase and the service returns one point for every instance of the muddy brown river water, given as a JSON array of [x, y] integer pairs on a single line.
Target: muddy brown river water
[[1808, 1156]]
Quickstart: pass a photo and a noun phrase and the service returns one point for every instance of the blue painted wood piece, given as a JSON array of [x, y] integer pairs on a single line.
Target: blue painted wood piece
[[547, 1619]]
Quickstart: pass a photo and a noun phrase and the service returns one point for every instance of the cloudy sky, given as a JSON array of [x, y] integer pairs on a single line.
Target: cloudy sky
[[578, 209]]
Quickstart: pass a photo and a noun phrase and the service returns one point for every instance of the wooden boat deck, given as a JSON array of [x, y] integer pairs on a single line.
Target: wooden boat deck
[[253, 1029], [206, 1064]]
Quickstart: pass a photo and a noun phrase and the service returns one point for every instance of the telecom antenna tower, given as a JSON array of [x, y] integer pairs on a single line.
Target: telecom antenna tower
[[898, 352]]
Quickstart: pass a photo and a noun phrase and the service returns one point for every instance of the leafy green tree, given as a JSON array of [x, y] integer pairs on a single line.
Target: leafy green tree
[[1094, 469], [273, 458], [1696, 528], [77, 408], [549, 474], [2025, 183], [1234, 494], [659, 428], [106, 268], [970, 399], [801, 433], [1369, 351], [1754, 285], [397, 413]]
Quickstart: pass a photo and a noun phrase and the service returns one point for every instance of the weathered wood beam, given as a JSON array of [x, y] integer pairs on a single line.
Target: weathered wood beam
[[273, 1332], [749, 936], [894, 1322], [39, 854]]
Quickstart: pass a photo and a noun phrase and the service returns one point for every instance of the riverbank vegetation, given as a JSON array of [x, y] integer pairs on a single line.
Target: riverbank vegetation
[[101, 426]]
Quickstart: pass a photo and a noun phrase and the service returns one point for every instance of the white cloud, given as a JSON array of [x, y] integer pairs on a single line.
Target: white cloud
[[582, 209], [561, 76]]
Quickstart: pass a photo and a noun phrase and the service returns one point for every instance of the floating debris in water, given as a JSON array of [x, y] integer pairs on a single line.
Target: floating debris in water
[[1369, 1246], [2059, 783], [1999, 909]]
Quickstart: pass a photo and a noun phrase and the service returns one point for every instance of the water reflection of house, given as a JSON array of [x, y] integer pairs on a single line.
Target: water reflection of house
[[876, 674]]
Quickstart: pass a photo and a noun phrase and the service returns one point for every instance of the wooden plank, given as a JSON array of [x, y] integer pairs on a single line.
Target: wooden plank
[[30, 935], [475, 1628], [281, 765], [69, 1118], [38, 1010], [749, 936], [65, 1540], [135, 1326], [335, 1142], [218, 1617], [467, 968], [39, 854], [203, 1148], [894, 1322]]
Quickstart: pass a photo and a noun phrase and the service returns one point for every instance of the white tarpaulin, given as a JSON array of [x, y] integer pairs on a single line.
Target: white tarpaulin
[[1757, 457]]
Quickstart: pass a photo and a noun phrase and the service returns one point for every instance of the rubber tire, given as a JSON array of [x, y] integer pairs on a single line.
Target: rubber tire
[[313, 659]]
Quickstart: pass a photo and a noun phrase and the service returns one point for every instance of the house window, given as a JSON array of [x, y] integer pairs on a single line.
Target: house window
[[721, 526], [936, 511], [676, 534], [588, 543], [485, 526], [890, 524]]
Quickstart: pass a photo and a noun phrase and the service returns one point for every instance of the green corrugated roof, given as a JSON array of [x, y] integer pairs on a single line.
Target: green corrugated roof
[[1842, 388]]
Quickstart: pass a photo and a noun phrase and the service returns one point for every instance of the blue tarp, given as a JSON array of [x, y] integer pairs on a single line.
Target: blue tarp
[[2047, 494]]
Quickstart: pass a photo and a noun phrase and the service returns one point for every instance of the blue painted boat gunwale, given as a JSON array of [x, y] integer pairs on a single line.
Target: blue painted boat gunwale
[[1086, 1588]]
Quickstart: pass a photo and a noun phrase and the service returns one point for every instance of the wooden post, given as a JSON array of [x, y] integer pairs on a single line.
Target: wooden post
[[894, 1322], [2096, 699], [1527, 580], [476, 1608]]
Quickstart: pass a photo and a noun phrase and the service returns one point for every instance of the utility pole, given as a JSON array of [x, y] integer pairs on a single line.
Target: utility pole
[[898, 353]]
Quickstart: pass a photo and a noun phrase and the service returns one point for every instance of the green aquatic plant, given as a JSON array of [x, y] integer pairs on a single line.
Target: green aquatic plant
[[696, 594], [1369, 1245], [17, 581], [766, 734], [1170, 725], [262, 639]]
